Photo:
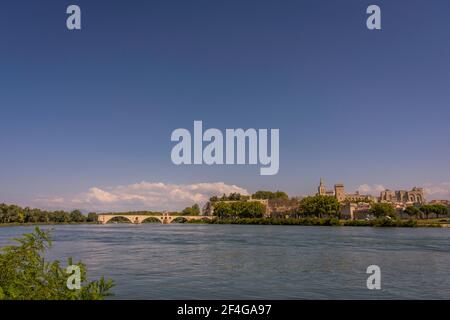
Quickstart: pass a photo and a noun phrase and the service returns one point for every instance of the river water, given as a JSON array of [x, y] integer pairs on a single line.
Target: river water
[[188, 261]]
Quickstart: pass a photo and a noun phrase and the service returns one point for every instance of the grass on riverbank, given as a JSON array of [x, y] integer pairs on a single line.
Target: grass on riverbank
[[438, 222]]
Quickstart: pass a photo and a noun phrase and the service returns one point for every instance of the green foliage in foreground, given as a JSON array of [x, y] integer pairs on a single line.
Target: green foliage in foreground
[[381, 222], [25, 275]]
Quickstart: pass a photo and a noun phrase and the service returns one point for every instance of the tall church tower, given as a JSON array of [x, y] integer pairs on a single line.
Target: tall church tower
[[322, 190], [339, 192]]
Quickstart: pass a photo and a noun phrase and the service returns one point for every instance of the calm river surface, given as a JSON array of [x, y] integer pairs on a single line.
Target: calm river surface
[[186, 261]]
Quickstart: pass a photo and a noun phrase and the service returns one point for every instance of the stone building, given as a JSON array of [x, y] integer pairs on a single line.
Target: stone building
[[415, 196], [341, 196], [355, 211], [283, 208], [339, 192], [357, 197], [322, 190]]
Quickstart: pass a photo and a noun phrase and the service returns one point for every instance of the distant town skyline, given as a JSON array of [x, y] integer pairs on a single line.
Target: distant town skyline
[[87, 114], [160, 196]]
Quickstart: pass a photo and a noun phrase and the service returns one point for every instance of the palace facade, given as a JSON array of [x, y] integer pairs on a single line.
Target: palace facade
[[413, 196], [342, 196]]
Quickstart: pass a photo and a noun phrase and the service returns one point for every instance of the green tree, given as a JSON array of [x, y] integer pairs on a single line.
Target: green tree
[[281, 195], [382, 210], [262, 194], [239, 209], [77, 216], [186, 211], [413, 211], [12, 214], [20, 216], [60, 216], [427, 209], [92, 217], [250, 209], [223, 210], [234, 196], [437, 209], [26, 275], [440, 210], [191, 211], [196, 210], [319, 206]]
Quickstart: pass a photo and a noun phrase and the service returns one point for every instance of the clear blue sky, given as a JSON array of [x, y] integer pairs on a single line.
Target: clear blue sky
[[96, 107]]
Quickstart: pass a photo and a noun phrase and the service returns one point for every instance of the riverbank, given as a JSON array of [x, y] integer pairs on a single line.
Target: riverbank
[[18, 224], [440, 223], [381, 222]]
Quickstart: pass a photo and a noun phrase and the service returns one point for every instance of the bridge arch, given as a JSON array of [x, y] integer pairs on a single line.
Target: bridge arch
[[111, 218], [179, 219], [138, 219], [152, 218]]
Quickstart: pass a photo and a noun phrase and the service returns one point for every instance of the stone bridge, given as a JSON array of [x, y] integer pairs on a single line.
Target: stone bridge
[[164, 218]]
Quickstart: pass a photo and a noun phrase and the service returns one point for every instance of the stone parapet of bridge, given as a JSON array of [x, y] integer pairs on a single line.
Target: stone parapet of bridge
[[138, 219]]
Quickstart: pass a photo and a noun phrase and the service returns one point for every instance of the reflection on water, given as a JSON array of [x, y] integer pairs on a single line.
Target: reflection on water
[[185, 261]]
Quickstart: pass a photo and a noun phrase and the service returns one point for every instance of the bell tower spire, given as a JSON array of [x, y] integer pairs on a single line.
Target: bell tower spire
[[322, 190]]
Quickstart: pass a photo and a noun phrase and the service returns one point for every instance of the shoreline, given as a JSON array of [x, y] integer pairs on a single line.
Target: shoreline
[[318, 222], [18, 224]]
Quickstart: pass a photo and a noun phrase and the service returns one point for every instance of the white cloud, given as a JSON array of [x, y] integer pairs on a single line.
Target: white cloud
[[51, 201], [143, 196], [432, 190], [437, 191], [96, 194], [371, 189]]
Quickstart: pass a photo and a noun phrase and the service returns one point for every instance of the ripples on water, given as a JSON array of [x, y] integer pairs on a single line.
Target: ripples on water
[[186, 261]]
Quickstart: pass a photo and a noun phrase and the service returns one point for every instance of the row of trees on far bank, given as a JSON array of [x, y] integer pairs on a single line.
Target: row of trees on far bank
[[426, 210], [418, 212], [321, 207], [269, 195], [325, 206], [16, 214], [191, 211], [313, 206], [262, 194], [234, 196], [239, 209]]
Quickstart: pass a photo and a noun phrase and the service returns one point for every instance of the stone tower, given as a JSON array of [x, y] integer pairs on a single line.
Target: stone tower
[[339, 192], [321, 190]]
